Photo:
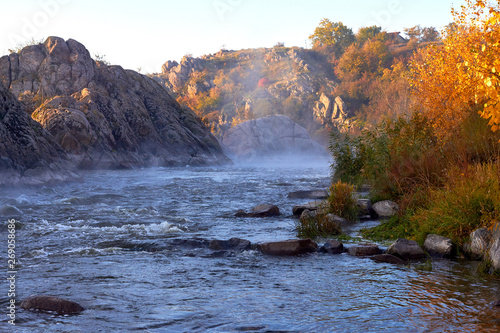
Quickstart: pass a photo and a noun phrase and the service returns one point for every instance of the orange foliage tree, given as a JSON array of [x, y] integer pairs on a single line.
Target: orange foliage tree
[[462, 76]]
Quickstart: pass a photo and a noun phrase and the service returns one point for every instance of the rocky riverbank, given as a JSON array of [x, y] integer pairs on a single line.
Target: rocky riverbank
[[92, 116]]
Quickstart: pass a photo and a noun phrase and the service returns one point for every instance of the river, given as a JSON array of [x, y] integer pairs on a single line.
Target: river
[[126, 245]]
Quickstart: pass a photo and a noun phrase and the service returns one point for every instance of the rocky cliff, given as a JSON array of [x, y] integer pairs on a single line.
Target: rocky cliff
[[271, 137], [230, 87], [104, 116], [28, 153]]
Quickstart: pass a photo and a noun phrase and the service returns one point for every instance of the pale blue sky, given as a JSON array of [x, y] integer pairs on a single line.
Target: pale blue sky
[[147, 33]]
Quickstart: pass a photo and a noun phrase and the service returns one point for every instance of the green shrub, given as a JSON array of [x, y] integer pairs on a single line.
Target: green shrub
[[341, 201], [317, 225]]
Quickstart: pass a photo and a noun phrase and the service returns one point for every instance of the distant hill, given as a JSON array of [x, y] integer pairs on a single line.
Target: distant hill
[[230, 87]]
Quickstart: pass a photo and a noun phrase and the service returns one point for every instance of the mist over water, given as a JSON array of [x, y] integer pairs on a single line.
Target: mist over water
[[130, 246]]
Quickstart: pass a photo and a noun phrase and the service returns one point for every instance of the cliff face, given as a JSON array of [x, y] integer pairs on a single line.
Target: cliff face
[[230, 87], [104, 116], [28, 153]]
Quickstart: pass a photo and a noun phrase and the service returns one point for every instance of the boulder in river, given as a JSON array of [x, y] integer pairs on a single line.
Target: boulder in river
[[292, 247], [311, 194], [231, 244], [265, 210], [494, 255], [439, 246], [406, 250], [363, 250], [333, 247], [51, 303], [387, 258]]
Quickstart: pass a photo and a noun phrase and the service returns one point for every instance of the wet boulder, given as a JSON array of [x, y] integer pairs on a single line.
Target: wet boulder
[[231, 244], [363, 250], [406, 250], [292, 247], [386, 208], [439, 246], [265, 210], [51, 304], [333, 247], [311, 206], [387, 258], [312, 194]]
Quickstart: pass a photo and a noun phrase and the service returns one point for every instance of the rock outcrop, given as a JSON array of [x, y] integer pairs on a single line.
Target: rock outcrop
[[271, 137], [104, 116], [28, 153]]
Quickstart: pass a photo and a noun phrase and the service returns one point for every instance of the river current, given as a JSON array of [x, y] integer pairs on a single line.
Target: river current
[[130, 246]]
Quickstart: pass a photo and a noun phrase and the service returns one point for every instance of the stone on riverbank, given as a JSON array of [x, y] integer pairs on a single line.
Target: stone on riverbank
[[51, 303], [406, 250], [386, 208], [311, 206], [292, 247], [494, 255], [365, 209], [479, 243], [439, 246]]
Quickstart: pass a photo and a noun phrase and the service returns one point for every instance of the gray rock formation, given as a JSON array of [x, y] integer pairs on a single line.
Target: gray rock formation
[[292, 247], [386, 208], [270, 137], [406, 250], [439, 246], [28, 153], [105, 116]]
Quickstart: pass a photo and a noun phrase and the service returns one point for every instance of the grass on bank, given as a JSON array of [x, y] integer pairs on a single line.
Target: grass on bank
[[340, 202], [447, 187]]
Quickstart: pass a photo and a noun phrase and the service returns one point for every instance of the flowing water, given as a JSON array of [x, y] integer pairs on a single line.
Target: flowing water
[[130, 246]]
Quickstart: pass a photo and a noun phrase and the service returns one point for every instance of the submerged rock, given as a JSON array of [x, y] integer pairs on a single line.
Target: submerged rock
[[231, 244], [292, 247], [439, 246], [51, 303], [363, 250], [387, 258], [312, 194], [406, 249]]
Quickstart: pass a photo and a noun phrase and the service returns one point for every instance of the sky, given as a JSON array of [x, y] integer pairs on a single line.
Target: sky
[[145, 34]]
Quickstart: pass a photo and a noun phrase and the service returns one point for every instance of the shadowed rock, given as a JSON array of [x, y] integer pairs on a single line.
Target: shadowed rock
[[51, 303], [387, 258], [364, 250], [266, 210], [231, 244], [313, 194], [333, 247], [311, 206], [406, 249], [292, 247]]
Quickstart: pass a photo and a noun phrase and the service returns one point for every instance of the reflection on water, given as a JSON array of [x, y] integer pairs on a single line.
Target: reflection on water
[[132, 247]]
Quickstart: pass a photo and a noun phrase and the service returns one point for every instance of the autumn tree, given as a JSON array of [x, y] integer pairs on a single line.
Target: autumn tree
[[463, 75], [334, 34], [367, 33]]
